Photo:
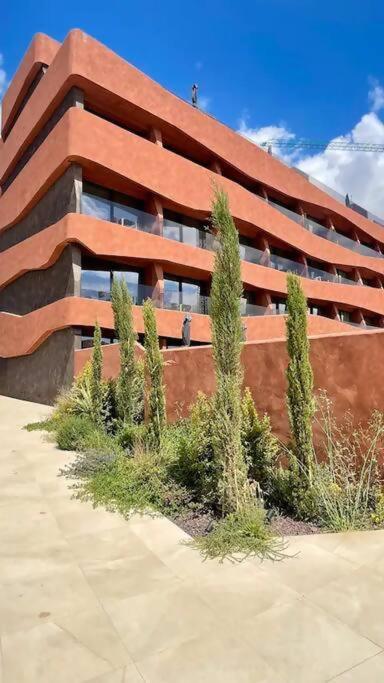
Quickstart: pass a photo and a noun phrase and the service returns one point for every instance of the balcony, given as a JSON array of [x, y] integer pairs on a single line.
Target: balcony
[[95, 287], [140, 220], [326, 233]]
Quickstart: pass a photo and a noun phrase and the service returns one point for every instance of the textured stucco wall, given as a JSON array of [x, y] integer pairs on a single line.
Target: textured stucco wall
[[41, 375], [347, 366], [38, 288], [62, 197]]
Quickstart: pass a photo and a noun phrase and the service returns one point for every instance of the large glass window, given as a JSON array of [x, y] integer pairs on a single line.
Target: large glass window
[[132, 280], [96, 284], [181, 295]]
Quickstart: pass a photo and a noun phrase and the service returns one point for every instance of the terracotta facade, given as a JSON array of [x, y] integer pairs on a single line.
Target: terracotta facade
[[96, 155]]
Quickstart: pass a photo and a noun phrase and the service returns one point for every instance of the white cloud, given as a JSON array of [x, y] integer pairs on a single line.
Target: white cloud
[[358, 174], [376, 96], [203, 102], [3, 82]]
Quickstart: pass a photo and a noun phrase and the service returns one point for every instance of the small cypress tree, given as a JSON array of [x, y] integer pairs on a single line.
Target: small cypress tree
[[226, 291], [123, 321], [155, 399], [96, 383], [300, 399]]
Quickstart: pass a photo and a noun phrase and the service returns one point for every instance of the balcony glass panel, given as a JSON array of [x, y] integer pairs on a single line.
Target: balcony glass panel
[[326, 233], [96, 206], [132, 281], [96, 284]]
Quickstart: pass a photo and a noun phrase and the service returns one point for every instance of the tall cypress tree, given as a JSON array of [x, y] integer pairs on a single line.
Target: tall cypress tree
[[96, 370], [300, 399], [155, 399], [226, 326], [126, 393]]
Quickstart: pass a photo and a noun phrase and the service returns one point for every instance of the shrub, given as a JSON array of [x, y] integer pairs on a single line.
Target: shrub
[[244, 532], [194, 463], [48, 425], [72, 431], [86, 465], [135, 484], [260, 445], [300, 377], [226, 291], [348, 484], [127, 381], [95, 381], [156, 415], [131, 435]]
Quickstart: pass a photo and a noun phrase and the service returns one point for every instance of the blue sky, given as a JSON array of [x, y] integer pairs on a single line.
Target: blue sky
[[305, 66]]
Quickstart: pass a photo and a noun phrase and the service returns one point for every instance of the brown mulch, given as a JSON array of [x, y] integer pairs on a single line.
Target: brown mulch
[[286, 526], [199, 523]]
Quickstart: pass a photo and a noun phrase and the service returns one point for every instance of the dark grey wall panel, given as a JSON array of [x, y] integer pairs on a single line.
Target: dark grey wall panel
[[73, 98], [41, 375], [63, 197], [39, 288]]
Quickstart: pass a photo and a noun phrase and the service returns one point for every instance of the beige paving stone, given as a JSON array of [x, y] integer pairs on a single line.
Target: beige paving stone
[[120, 579], [214, 659], [370, 671], [127, 675], [241, 596], [78, 517], [362, 547], [48, 653], [161, 619], [303, 643], [54, 593], [106, 545], [357, 600], [311, 568]]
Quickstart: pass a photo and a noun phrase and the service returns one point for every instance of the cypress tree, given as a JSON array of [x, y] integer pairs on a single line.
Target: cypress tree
[[155, 400], [127, 380], [300, 399], [226, 327], [96, 370]]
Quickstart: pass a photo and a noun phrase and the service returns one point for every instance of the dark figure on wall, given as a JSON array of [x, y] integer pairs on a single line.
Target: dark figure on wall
[[186, 331], [194, 95]]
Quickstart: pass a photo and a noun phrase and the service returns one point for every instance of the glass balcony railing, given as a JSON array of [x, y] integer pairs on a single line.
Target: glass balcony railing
[[326, 233], [140, 220], [93, 288]]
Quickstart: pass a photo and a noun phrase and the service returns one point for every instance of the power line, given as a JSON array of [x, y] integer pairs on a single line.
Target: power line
[[335, 145]]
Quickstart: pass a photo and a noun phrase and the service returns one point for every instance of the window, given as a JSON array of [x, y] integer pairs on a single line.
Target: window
[[96, 284], [279, 306], [345, 316], [314, 309], [183, 295], [132, 280]]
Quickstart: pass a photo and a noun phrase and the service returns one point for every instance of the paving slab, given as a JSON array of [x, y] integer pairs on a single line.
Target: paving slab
[[86, 595]]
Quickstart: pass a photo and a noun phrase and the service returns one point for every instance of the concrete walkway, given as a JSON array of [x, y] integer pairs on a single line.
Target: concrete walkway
[[87, 596]]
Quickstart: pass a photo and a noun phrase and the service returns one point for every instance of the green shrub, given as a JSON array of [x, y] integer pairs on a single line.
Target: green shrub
[[86, 465], [48, 425], [260, 445], [72, 432], [131, 435], [226, 291], [135, 484], [194, 464], [154, 369], [241, 534], [300, 401], [348, 484], [96, 381]]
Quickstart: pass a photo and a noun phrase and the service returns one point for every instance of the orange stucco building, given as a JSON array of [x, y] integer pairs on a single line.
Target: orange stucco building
[[105, 174]]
